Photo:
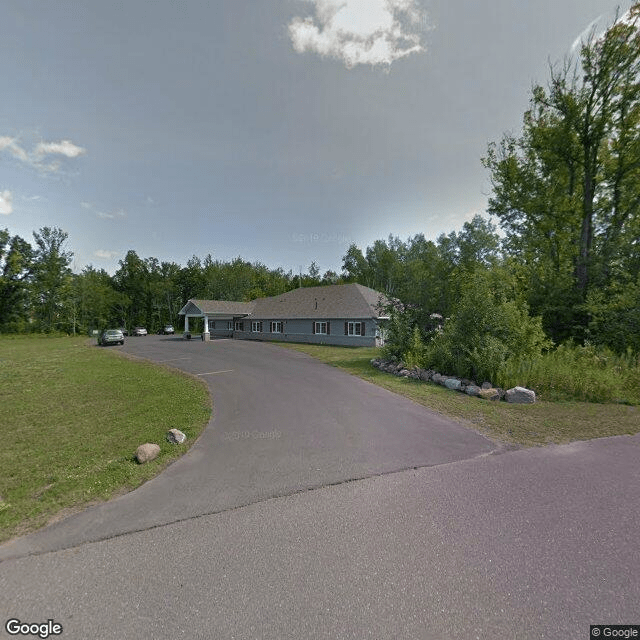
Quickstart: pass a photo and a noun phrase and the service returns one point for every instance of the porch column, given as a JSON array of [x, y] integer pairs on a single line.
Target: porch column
[[205, 333], [186, 324]]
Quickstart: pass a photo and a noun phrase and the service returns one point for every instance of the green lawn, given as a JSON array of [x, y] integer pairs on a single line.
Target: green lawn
[[536, 424], [72, 415]]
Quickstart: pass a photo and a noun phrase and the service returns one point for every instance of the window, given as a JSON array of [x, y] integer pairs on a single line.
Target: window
[[239, 326], [256, 326], [354, 328], [320, 327], [212, 325], [276, 327], [230, 325]]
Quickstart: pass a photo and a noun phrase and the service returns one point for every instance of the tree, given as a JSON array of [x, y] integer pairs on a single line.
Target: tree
[[16, 270], [566, 191], [51, 276]]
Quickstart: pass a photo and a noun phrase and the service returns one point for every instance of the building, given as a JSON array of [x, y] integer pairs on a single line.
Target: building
[[347, 314]]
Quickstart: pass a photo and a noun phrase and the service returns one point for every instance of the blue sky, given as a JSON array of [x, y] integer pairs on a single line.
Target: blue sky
[[277, 130]]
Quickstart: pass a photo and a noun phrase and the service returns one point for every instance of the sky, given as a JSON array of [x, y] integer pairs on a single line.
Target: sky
[[281, 131]]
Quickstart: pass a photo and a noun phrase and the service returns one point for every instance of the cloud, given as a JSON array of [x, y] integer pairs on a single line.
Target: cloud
[[104, 215], [13, 148], [596, 32], [6, 202], [103, 254], [375, 32], [63, 148], [40, 155]]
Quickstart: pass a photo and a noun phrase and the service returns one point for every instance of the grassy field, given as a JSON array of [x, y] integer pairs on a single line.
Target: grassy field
[[537, 424], [72, 415]]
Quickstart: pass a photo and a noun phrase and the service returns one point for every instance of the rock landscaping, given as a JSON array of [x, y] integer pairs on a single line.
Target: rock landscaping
[[147, 452], [486, 391]]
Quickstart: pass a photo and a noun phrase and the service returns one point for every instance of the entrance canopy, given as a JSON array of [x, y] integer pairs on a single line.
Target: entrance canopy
[[214, 310]]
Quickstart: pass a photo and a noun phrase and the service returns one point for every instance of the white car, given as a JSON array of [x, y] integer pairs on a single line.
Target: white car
[[139, 331]]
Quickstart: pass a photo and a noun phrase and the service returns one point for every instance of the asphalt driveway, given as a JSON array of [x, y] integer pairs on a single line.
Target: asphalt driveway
[[282, 423], [443, 536]]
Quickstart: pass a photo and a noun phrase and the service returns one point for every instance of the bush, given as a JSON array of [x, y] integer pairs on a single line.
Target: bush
[[483, 334]]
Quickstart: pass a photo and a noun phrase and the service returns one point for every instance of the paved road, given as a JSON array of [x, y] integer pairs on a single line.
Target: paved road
[[533, 543]]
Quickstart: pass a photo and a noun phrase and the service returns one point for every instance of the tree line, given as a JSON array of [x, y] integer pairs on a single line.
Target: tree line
[[556, 260]]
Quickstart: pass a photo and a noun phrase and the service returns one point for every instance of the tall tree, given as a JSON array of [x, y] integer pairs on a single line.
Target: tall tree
[[16, 269], [566, 191], [51, 277]]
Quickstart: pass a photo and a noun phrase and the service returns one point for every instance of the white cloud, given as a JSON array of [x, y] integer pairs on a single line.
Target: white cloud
[[111, 215], [595, 31], [375, 32], [6, 202], [104, 215], [103, 254], [13, 148], [63, 148], [36, 157]]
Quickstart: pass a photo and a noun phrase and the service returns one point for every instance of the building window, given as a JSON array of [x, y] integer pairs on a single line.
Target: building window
[[256, 326], [212, 325], [239, 326], [230, 325], [354, 328], [276, 327], [320, 327]]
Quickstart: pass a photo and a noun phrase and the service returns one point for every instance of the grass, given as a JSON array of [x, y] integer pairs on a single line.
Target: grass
[[580, 373], [72, 416], [529, 425]]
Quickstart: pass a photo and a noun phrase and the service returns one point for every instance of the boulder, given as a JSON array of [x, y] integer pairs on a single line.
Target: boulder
[[175, 436], [489, 394], [453, 383], [520, 395], [147, 452], [425, 375], [487, 385], [436, 377], [472, 390]]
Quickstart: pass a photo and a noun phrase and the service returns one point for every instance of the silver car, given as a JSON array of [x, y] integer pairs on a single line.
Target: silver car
[[139, 331], [111, 336]]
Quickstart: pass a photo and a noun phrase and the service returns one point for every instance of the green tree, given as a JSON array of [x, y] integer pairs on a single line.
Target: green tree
[[566, 191], [16, 270], [51, 278]]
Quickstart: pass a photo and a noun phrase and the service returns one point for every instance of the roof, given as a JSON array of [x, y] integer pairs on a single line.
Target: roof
[[216, 307], [332, 301]]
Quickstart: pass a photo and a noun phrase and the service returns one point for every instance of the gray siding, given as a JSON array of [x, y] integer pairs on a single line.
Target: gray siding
[[302, 331]]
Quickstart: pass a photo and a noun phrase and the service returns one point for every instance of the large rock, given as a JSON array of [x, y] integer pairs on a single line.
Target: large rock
[[520, 395], [436, 377], [453, 383], [175, 436], [489, 394], [147, 452], [472, 390]]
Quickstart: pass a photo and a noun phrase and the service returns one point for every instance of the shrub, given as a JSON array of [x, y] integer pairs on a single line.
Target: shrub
[[484, 333]]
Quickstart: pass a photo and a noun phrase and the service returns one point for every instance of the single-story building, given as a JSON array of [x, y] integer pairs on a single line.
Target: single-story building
[[347, 314]]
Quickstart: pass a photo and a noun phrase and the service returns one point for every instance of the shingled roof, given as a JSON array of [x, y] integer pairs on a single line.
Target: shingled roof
[[217, 307], [332, 301]]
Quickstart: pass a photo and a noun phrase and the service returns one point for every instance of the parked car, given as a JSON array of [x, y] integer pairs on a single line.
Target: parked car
[[124, 331], [139, 331], [111, 336], [167, 330]]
